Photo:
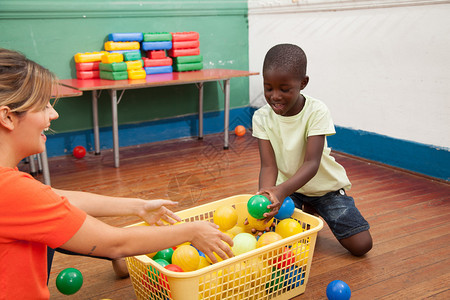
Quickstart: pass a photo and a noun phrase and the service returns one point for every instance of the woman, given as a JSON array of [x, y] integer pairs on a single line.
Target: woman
[[34, 216]]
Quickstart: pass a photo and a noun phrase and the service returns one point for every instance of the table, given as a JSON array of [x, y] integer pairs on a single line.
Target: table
[[166, 79]]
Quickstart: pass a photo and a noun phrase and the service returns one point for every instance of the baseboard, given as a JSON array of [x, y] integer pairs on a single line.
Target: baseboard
[[419, 158]]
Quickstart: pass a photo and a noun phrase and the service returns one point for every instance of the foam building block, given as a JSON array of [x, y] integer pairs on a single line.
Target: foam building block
[[157, 36], [112, 58], [111, 46], [134, 64], [89, 56], [113, 67], [188, 59], [154, 54], [128, 56], [157, 62], [121, 75], [126, 37], [92, 74], [186, 44], [188, 67], [158, 70], [185, 36], [183, 52], [87, 66], [165, 45], [137, 74]]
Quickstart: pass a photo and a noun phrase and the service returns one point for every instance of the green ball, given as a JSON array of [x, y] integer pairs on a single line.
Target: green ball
[[257, 206], [165, 254], [69, 281]]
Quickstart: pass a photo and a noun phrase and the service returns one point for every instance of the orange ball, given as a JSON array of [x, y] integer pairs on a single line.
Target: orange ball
[[239, 130]]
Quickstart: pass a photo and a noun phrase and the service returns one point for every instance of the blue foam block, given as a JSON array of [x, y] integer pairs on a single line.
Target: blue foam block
[[148, 46], [126, 37], [158, 70]]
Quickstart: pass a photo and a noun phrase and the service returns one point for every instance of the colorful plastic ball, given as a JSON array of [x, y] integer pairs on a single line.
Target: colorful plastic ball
[[301, 252], [79, 151], [161, 262], [226, 217], [165, 254], [203, 263], [288, 227], [259, 224], [268, 238], [186, 257], [276, 282], [69, 281], [257, 206], [174, 268], [243, 242], [338, 290], [239, 130], [286, 209], [236, 230]]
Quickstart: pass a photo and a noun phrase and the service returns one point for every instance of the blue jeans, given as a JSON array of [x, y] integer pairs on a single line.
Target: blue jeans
[[338, 210]]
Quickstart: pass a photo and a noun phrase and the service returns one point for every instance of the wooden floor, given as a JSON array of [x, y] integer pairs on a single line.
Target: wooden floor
[[409, 215]]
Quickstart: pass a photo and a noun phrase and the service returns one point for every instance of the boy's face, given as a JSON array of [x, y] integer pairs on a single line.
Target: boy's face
[[282, 91]]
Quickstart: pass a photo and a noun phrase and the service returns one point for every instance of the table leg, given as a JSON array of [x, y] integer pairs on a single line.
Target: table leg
[[95, 121], [226, 92], [200, 110], [45, 169], [115, 127]]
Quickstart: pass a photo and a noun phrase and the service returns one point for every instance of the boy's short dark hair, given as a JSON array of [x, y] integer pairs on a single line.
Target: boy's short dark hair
[[287, 57]]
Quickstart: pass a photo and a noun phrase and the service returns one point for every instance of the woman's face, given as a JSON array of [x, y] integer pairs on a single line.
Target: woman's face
[[30, 130]]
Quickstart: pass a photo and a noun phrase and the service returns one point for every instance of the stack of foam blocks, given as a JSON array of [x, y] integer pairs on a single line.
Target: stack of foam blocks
[[128, 45], [156, 44], [186, 51], [113, 67], [87, 64]]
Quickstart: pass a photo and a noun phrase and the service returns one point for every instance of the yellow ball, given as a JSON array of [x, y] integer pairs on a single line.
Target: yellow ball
[[243, 242], [268, 238], [226, 217], [186, 257], [288, 227], [217, 256], [236, 230], [259, 224], [203, 263]]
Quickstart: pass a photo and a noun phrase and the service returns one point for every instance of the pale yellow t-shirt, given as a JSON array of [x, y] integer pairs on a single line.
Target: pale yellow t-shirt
[[288, 137]]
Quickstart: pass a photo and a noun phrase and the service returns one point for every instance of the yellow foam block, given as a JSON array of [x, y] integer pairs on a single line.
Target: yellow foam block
[[134, 64], [136, 74], [110, 58], [112, 46], [89, 56]]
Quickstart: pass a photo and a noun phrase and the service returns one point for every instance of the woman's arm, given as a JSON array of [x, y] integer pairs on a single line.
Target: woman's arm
[[99, 239], [151, 211]]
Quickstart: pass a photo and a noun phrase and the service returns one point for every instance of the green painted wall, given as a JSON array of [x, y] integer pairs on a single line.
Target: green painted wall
[[51, 32]]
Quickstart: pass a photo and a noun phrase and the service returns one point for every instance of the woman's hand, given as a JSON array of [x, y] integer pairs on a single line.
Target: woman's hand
[[208, 238], [154, 212]]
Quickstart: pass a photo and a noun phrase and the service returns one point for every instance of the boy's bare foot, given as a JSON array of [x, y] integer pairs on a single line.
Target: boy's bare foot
[[120, 268]]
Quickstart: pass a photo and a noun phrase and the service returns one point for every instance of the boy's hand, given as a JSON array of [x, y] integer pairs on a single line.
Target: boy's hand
[[270, 193]]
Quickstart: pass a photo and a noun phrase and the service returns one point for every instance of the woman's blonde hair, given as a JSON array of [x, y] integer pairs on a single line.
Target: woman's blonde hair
[[24, 84]]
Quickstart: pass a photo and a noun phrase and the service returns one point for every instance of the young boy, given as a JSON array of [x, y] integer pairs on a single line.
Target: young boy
[[295, 160]]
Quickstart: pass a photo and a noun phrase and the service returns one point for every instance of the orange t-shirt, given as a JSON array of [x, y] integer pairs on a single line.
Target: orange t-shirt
[[32, 216]]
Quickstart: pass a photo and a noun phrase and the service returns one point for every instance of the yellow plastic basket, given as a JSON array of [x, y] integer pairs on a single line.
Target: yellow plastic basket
[[263, 273]]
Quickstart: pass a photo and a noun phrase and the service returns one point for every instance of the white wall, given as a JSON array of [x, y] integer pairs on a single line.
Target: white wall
[[383, 70]]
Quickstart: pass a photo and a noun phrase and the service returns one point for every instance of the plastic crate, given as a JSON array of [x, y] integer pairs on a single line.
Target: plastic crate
[[263, 273]]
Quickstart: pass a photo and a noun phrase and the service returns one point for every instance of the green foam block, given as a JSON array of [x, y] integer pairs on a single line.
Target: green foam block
[[188, 59], [188, 67], [157, 36], [113, 67], [121, 75]]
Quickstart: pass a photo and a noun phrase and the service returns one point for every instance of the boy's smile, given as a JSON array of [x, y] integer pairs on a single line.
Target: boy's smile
[[282, 92]]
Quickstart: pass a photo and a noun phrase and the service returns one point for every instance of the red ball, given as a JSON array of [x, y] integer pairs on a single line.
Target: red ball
[[239, 130], [79, 151], [174, 268]]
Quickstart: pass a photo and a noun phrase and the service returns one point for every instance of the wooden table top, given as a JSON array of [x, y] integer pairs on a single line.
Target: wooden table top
[[174, 78]]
